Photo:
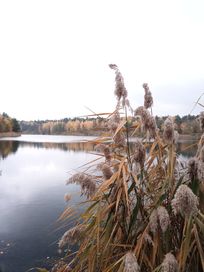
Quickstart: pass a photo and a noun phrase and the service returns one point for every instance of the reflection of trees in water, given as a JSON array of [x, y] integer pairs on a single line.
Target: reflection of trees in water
[[8, 147], [77, 146], [80, 146], [187, 149]]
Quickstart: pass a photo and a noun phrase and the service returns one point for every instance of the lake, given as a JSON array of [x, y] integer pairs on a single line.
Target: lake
[[34, 170]]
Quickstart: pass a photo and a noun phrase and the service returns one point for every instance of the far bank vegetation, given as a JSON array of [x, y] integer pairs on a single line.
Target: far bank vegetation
[[188, 124]]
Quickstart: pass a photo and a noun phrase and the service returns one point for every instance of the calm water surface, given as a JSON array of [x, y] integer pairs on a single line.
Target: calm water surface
[[34, 170]]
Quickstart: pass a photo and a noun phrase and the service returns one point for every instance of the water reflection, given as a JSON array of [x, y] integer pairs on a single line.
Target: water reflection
[[32, 188], [187, 149], [11, 147], [76, 147], [8, 147]]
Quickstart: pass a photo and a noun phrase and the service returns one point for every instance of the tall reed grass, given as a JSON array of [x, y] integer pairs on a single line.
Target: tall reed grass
[[145, 208]]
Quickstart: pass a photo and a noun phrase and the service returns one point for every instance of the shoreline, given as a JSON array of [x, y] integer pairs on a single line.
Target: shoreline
[[181, 138], [10, 134]]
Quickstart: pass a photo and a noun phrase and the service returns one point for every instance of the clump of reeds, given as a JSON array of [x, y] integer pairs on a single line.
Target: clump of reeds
[[143, 219]]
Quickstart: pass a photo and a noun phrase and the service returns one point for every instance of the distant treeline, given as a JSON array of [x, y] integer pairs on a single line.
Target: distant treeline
[[188, 124], [8, 124], [64, 126]]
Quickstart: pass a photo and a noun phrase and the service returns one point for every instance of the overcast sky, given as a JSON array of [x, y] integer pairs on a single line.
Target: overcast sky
[[54, 55]]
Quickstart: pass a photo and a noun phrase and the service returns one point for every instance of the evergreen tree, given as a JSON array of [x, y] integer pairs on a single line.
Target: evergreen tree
[[15, 125]]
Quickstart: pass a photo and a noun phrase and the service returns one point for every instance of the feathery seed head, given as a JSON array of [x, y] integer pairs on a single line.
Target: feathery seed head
[[193, 168], [88, 186], [119, 139], [158, 217], [71, 236], [148, 100], [145, 86], [130, 264], [139, 153], [168, 133], [113, 66], [151, 126], [107, 153], [185, 201], [170, 263], [105, 149], [153, 221], [163, 217], [106, 170], [112, 125], [143, 113], [100, 147], [114, 121], [148, 121], [120, 90]]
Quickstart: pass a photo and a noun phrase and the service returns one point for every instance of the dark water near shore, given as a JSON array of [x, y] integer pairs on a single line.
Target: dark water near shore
[[32, 188], [34, 170]]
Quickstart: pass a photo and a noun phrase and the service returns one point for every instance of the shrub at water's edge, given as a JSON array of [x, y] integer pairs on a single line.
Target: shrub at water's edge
[[146, 206]]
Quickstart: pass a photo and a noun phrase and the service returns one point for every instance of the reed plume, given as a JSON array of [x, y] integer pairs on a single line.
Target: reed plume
[[159, 217], [148, 99], [139, 153], [88, 185], [170, 263], [185, 201], [71, 237], [131, 264], [168, 133], [148, 121], [120, 90]]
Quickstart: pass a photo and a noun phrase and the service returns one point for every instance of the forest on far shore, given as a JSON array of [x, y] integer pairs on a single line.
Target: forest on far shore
[[188, 124], [8, 124]]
